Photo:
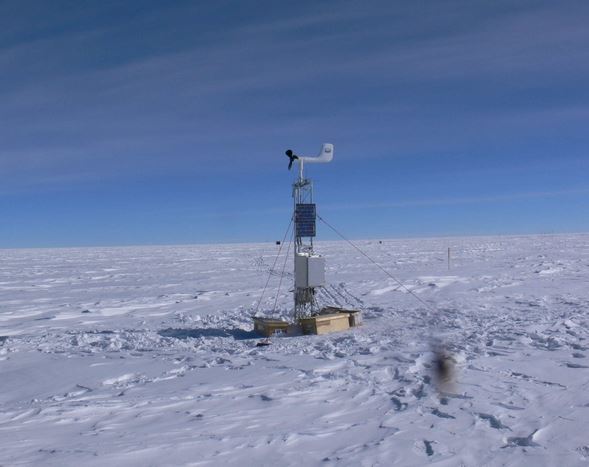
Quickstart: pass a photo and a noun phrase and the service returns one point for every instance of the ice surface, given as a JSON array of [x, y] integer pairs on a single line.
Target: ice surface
[[146, 356]]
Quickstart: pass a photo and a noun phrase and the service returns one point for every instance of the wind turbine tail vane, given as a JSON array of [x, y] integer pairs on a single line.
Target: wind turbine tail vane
[[325, 155]]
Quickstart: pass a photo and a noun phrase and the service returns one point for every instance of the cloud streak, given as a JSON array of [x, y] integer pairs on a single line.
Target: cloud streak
[[459, 200], [100, 98]]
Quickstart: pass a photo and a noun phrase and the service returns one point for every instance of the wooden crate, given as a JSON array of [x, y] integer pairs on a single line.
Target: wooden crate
[[323, 324], [355, 316], [268, 327]]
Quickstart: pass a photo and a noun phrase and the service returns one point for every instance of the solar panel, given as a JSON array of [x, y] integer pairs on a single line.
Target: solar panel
[[305, 219]]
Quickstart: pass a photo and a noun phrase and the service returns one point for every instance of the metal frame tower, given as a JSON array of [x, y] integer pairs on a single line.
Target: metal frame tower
[[309, 268]]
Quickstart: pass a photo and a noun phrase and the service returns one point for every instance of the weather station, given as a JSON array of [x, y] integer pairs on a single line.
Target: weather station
[[308, 316]]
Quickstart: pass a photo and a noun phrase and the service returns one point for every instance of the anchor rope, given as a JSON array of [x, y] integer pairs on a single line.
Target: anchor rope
[[273, 266], [403, 286], [282, 273]]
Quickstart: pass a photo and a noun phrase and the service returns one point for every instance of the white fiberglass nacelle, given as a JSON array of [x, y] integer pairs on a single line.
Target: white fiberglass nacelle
[[326, 155]]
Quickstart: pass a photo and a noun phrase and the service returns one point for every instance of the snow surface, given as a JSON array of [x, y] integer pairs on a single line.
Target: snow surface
[[145, 356]]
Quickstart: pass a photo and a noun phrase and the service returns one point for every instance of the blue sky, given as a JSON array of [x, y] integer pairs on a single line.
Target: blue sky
[[146, 122]]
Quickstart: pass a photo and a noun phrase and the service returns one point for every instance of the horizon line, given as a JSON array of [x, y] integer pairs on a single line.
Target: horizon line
[[261, 242]]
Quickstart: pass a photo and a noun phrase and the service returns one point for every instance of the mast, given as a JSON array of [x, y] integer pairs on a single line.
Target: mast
[[309, 268]]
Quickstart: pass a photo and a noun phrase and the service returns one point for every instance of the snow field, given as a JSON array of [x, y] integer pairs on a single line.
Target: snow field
[[145, 356]]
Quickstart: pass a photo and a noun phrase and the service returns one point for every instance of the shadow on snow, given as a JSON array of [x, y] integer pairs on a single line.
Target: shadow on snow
[[237, 334]]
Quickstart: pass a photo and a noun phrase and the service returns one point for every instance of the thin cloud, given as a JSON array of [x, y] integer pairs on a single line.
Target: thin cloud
[[459, 200], [358, 74]]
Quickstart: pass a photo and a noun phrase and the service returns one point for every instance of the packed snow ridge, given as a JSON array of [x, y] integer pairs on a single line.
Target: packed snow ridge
[[146, 356]]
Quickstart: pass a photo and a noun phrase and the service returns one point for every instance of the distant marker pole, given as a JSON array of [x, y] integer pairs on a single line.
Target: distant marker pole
[[448, 258]]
